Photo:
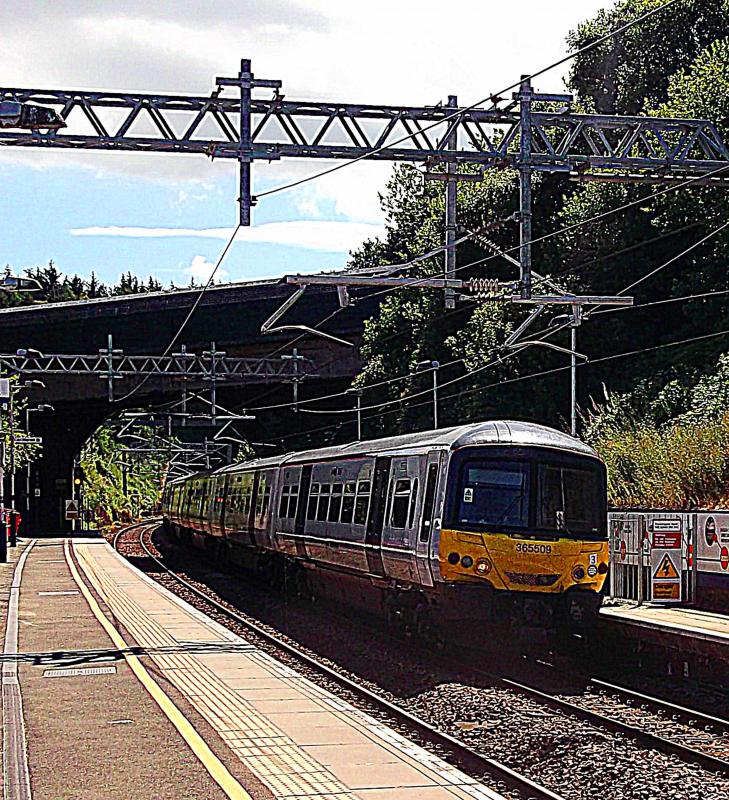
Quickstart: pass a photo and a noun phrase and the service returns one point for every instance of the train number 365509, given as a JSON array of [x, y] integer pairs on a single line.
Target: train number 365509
[[534, 548]]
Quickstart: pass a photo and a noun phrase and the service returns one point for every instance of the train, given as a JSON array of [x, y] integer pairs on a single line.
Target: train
[[449, 532]]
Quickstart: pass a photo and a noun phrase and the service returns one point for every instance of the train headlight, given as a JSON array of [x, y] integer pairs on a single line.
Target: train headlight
[[453, 558], [483, 566], [578, 572], [603, 568], [467, 561]]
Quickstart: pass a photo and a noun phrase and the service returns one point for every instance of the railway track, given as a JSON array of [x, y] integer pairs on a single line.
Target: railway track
[[465, 756], [652, 733]]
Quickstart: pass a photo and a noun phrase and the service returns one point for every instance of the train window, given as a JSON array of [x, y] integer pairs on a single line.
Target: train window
[[494, 493], [399, 503], [313, 500], [259, 495], [266, 499], [362, 504], [335, 506], [323, 508], [283, 506], [413, 503], [428, 503], [293, 499], [350, 490], [568, 498]]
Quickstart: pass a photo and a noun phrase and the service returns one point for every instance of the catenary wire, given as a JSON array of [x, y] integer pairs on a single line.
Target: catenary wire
[[493, 99], [540, 374], [676, 257], [415, 281], [188, 316]]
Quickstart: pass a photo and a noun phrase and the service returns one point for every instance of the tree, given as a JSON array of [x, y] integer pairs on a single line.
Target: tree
[[630, 72]]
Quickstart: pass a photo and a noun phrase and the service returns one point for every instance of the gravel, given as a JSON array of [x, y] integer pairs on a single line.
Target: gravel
[[572, 757]]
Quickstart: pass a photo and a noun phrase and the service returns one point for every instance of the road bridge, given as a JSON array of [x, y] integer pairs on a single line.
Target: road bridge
[[229, 315]]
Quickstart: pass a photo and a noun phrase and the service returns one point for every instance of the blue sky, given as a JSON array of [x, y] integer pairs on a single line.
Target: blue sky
[[84, 210]]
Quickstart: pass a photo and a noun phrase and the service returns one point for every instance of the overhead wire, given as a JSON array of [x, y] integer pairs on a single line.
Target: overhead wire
[[494, 99], [476, 262], [530, 376], [188, 316]]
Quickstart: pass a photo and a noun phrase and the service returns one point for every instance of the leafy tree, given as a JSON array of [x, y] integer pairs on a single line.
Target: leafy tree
[[631, 71]]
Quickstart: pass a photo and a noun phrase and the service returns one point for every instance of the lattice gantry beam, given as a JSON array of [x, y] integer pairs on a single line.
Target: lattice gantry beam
[[186, 366], [210, 126], [248, 128]]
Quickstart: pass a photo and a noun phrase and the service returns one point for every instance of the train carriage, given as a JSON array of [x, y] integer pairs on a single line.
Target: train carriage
[[502, 522]]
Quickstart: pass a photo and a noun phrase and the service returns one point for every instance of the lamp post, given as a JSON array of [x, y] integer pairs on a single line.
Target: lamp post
[[358, 394], [424, 366]]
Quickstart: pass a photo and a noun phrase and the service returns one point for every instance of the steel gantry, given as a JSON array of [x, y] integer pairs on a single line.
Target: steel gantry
[[529, 132], [112, 364]]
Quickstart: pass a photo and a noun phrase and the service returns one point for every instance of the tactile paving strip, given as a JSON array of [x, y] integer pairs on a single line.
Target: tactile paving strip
[[272, 718]]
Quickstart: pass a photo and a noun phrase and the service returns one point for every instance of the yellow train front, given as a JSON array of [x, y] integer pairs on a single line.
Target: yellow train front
[[524, 532]]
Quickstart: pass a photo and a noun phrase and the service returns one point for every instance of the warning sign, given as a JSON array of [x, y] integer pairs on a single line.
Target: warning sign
[[666, 591], [666, 570], [71, 509], [666, 561]]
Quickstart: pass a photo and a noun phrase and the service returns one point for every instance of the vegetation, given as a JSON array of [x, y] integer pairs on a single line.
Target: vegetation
[[119, 485], [59, 288], [673, 64], [670, 450]]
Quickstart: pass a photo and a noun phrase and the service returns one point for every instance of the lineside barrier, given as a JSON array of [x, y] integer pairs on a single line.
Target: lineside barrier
[[669, 556]]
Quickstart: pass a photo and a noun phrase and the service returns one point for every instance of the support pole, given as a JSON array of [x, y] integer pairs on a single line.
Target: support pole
[[13, 511], [244, 161], [451, 211], [435, 396], [576, 320], [110, 362], [525, 187]]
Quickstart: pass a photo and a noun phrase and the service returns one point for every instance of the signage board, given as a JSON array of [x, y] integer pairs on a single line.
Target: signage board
[[665, 541], [71, 509]]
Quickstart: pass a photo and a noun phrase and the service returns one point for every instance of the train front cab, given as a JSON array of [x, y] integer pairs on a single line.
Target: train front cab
[[529, 526]]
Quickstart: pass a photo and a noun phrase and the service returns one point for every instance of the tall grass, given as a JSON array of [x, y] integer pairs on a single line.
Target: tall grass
[[683, 465]]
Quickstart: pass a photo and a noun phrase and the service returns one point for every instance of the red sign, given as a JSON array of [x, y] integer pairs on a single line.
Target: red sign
[[724, 558], [623, 550], [667, 540]]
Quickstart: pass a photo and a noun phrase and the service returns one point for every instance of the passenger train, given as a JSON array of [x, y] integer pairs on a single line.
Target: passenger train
[[495, 523]]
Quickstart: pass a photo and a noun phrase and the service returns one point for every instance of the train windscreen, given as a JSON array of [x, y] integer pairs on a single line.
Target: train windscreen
[[534, 491]]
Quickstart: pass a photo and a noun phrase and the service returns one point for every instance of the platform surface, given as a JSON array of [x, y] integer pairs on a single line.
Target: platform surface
[[270, 732], [689, 622]]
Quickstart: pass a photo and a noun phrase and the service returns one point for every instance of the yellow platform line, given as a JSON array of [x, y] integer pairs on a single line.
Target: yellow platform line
[[218, 771]]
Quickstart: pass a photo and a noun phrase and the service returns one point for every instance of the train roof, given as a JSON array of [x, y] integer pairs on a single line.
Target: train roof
[[494, 432]]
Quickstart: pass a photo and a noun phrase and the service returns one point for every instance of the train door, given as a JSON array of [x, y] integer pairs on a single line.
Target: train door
[[425, 531], [250, 522], [300, 518], [373, 539]]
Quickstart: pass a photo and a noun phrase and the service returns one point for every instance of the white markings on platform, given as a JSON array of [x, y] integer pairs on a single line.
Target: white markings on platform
[[78, 671], [58, 593]]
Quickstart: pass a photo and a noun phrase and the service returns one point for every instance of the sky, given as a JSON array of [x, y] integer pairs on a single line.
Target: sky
[[169, 215]]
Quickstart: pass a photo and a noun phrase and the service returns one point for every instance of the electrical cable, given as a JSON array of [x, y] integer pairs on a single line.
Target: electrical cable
[[193, 308], [687, 297], [675, 258], [551, 234], [493, 99], [542, 373]]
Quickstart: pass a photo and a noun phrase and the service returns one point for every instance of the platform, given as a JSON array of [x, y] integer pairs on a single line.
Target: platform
[[686, 622], [156, 700]]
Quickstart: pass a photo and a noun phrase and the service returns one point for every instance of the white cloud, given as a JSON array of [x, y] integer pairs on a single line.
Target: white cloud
[[322, 235], [200, 269]]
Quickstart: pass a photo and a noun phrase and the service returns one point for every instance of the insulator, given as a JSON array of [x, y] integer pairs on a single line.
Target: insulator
[[484, 288]]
